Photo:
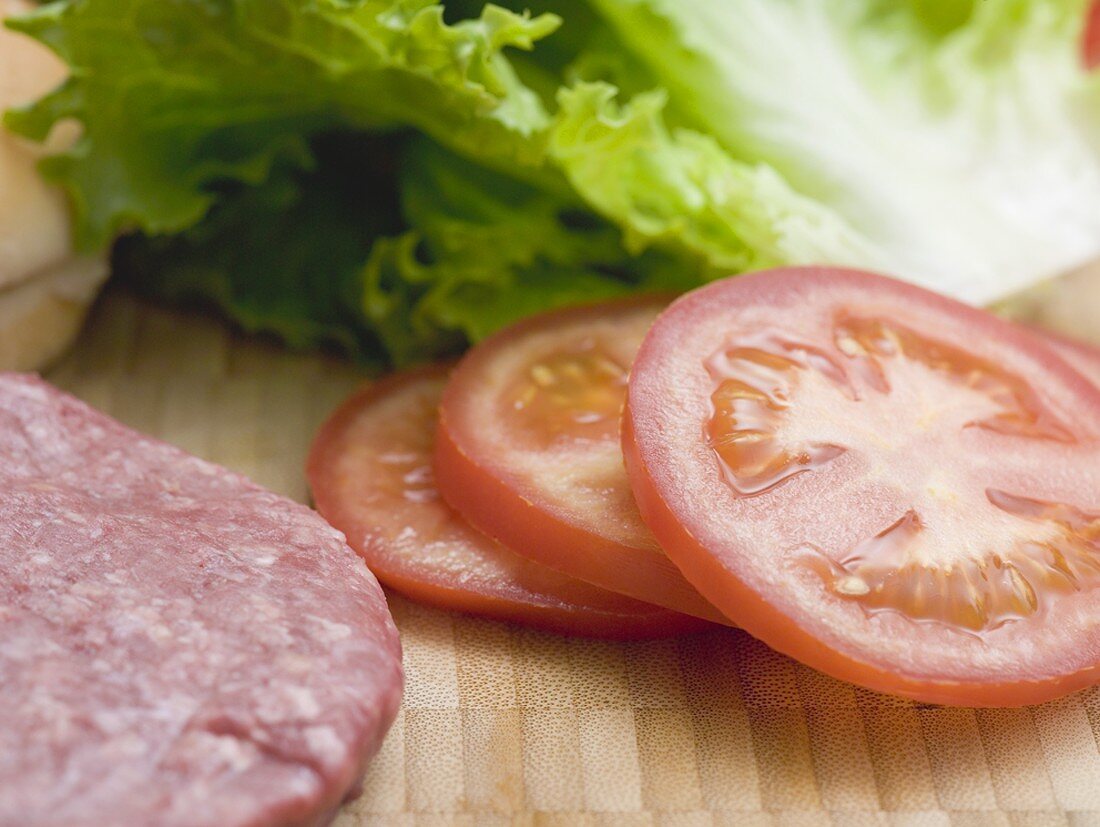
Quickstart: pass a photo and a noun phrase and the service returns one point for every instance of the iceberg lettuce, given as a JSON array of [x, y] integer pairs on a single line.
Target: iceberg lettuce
[[969, 161]]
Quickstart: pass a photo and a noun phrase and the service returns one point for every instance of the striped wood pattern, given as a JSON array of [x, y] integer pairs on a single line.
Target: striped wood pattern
[[504, 725]]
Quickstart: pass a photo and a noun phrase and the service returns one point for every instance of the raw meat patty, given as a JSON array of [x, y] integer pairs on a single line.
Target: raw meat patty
[[177, 645]]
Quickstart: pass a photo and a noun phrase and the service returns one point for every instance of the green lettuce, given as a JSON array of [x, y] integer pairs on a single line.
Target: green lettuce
[[176, 97], [400, 177], [307, 257], [960, 139], [681, 191], [285, 256]]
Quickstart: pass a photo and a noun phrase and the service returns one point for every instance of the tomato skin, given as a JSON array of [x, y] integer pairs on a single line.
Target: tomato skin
[[488, 495], [777, 629], [759, 612], [1082, 357], [353, 492], [1090, 38], [522, 526]]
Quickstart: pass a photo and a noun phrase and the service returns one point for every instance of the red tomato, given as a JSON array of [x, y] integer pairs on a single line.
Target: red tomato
[[892, 487], [528, 450], [1090, 41], [370, 472], [1083, 357]]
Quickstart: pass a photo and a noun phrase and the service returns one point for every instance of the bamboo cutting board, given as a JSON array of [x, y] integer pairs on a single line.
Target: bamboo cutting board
[[501, 724]]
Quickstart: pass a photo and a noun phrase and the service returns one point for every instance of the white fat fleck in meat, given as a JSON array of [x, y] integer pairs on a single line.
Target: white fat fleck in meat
[[235, 754], [295, 664], [259, 555], [330, 632], [286, 702], [322, 740], [305, 703]]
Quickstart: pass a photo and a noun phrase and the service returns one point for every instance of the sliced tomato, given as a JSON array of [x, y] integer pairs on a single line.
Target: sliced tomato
[[1090, 41], [1084, 358], [897, 489], [529, 451], [370, 472]]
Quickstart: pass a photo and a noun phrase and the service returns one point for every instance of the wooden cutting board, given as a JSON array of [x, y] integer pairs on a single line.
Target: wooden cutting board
[[501, 724]]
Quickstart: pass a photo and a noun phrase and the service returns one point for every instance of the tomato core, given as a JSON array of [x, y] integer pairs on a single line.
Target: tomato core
[[575, 393], [781, 407], [1056, 552]]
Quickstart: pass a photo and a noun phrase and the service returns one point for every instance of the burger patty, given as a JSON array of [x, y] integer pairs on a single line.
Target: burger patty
[[177, 645]]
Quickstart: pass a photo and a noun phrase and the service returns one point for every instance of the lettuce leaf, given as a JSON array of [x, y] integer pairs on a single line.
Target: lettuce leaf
[[680, 190], [402, 177], [284, 257], [176, 96], [458, 252], [498, 249], [961, 140]]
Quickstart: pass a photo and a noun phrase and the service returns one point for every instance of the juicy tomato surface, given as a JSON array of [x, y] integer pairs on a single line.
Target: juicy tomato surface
[[1085, 358], [528, 450], [894, 488], [1090, 42], [369, 469]]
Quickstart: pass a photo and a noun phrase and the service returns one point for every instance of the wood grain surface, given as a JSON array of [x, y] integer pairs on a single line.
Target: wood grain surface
[[504, 725]]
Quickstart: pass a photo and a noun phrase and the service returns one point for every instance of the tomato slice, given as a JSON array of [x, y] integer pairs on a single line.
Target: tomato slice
[[1090, 41], [897, 489], [370, 472], [528, 450], [1083, 357]]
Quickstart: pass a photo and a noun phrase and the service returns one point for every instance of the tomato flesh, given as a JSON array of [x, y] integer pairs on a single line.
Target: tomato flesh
[[528, 451], [890, 486], [1083, 357], [573, 393], [370, 473]]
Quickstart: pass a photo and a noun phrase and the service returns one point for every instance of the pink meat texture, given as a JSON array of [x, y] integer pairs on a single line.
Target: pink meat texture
[[177, 645]]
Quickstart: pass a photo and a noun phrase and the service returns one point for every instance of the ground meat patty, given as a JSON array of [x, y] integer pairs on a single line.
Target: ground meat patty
[[177, 645]]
